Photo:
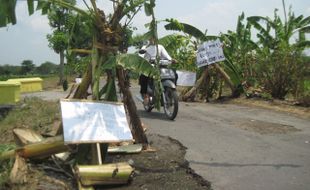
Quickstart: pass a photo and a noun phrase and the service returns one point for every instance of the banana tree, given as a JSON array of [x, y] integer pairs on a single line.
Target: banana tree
[[239, 49], [197, 37], [279, 66], [107, 35], [181, 48]]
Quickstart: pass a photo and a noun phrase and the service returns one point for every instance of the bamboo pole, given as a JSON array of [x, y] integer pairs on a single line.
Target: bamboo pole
[[106, 174]]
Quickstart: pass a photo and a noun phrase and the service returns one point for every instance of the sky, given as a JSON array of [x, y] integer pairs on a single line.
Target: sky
[[27, 39]]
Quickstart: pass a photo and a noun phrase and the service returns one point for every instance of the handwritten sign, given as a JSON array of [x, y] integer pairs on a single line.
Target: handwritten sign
[[94, 122], [186, 78], [210, 52]]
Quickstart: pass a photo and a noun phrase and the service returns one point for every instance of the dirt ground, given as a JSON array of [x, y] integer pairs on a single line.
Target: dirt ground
[[165, 168], [276, 105]]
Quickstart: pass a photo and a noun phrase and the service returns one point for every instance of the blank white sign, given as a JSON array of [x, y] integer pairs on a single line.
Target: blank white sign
[[186, 78], [94, 122]]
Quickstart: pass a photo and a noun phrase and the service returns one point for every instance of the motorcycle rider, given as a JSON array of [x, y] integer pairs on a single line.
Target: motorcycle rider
[[150, 54]]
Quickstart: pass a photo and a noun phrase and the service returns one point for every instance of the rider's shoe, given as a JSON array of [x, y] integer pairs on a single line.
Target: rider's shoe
[[146, 99]]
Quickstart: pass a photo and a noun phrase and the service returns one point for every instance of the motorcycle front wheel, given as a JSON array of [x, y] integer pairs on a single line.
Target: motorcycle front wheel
[[171, 105]]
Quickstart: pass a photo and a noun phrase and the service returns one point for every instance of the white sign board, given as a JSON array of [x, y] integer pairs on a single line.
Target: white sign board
[[210, 52], [94, 122], [78, 80], [186, 78]]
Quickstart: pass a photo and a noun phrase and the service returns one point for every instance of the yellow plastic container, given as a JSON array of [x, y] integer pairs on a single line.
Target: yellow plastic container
[[29, 84], [9, 92]]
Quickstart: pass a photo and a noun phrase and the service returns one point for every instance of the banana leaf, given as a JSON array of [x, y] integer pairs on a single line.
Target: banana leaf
[[7, 12], [8, 8], [132, 62], [187, 29]]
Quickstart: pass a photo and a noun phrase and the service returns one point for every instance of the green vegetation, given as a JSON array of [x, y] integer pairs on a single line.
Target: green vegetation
[[280, 68], [273, 63]]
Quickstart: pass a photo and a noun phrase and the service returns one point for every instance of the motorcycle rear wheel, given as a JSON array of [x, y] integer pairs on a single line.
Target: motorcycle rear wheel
[[171, 105]]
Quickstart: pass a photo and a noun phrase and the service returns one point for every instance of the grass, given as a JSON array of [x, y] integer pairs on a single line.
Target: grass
[[33, 113], [5, 165]]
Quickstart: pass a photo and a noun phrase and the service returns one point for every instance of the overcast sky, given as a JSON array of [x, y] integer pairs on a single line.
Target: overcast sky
[[27, 39]]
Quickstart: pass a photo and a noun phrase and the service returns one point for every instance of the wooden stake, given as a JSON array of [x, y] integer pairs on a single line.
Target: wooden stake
[[99, 154]]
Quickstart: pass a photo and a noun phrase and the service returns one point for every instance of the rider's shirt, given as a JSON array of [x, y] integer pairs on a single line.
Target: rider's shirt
[[151, 53]]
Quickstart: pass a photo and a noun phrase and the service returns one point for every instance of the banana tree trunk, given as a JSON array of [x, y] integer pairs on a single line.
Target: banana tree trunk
[[107, 174], [26, 136], [82, 187], [192, 92], [41, 149], [135, 121], [19, 171], [81, 91], [226, 78]]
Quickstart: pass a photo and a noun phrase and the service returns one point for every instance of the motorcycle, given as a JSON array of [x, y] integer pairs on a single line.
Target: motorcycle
[[169, 98]]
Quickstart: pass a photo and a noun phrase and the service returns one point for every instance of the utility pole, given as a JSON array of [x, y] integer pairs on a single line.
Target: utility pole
[[284, 9]]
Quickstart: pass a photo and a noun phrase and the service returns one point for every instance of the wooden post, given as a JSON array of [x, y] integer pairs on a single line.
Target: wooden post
[[99, 154]]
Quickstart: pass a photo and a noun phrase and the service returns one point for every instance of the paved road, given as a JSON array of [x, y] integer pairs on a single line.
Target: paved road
[[232, 158]]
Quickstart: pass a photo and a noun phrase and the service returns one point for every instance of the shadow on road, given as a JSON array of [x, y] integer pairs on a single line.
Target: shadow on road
[[153, 115]]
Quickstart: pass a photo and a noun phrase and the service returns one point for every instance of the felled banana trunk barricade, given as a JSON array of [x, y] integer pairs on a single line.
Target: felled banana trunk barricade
[[106, 174], [34, 146], [38, 149]]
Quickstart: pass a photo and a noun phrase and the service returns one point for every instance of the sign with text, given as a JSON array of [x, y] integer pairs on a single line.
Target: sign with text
[[94, 122], [210, 52], [186, 78]]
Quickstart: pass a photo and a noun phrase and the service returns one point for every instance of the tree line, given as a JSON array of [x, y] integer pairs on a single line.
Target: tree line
[[27, 67]]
